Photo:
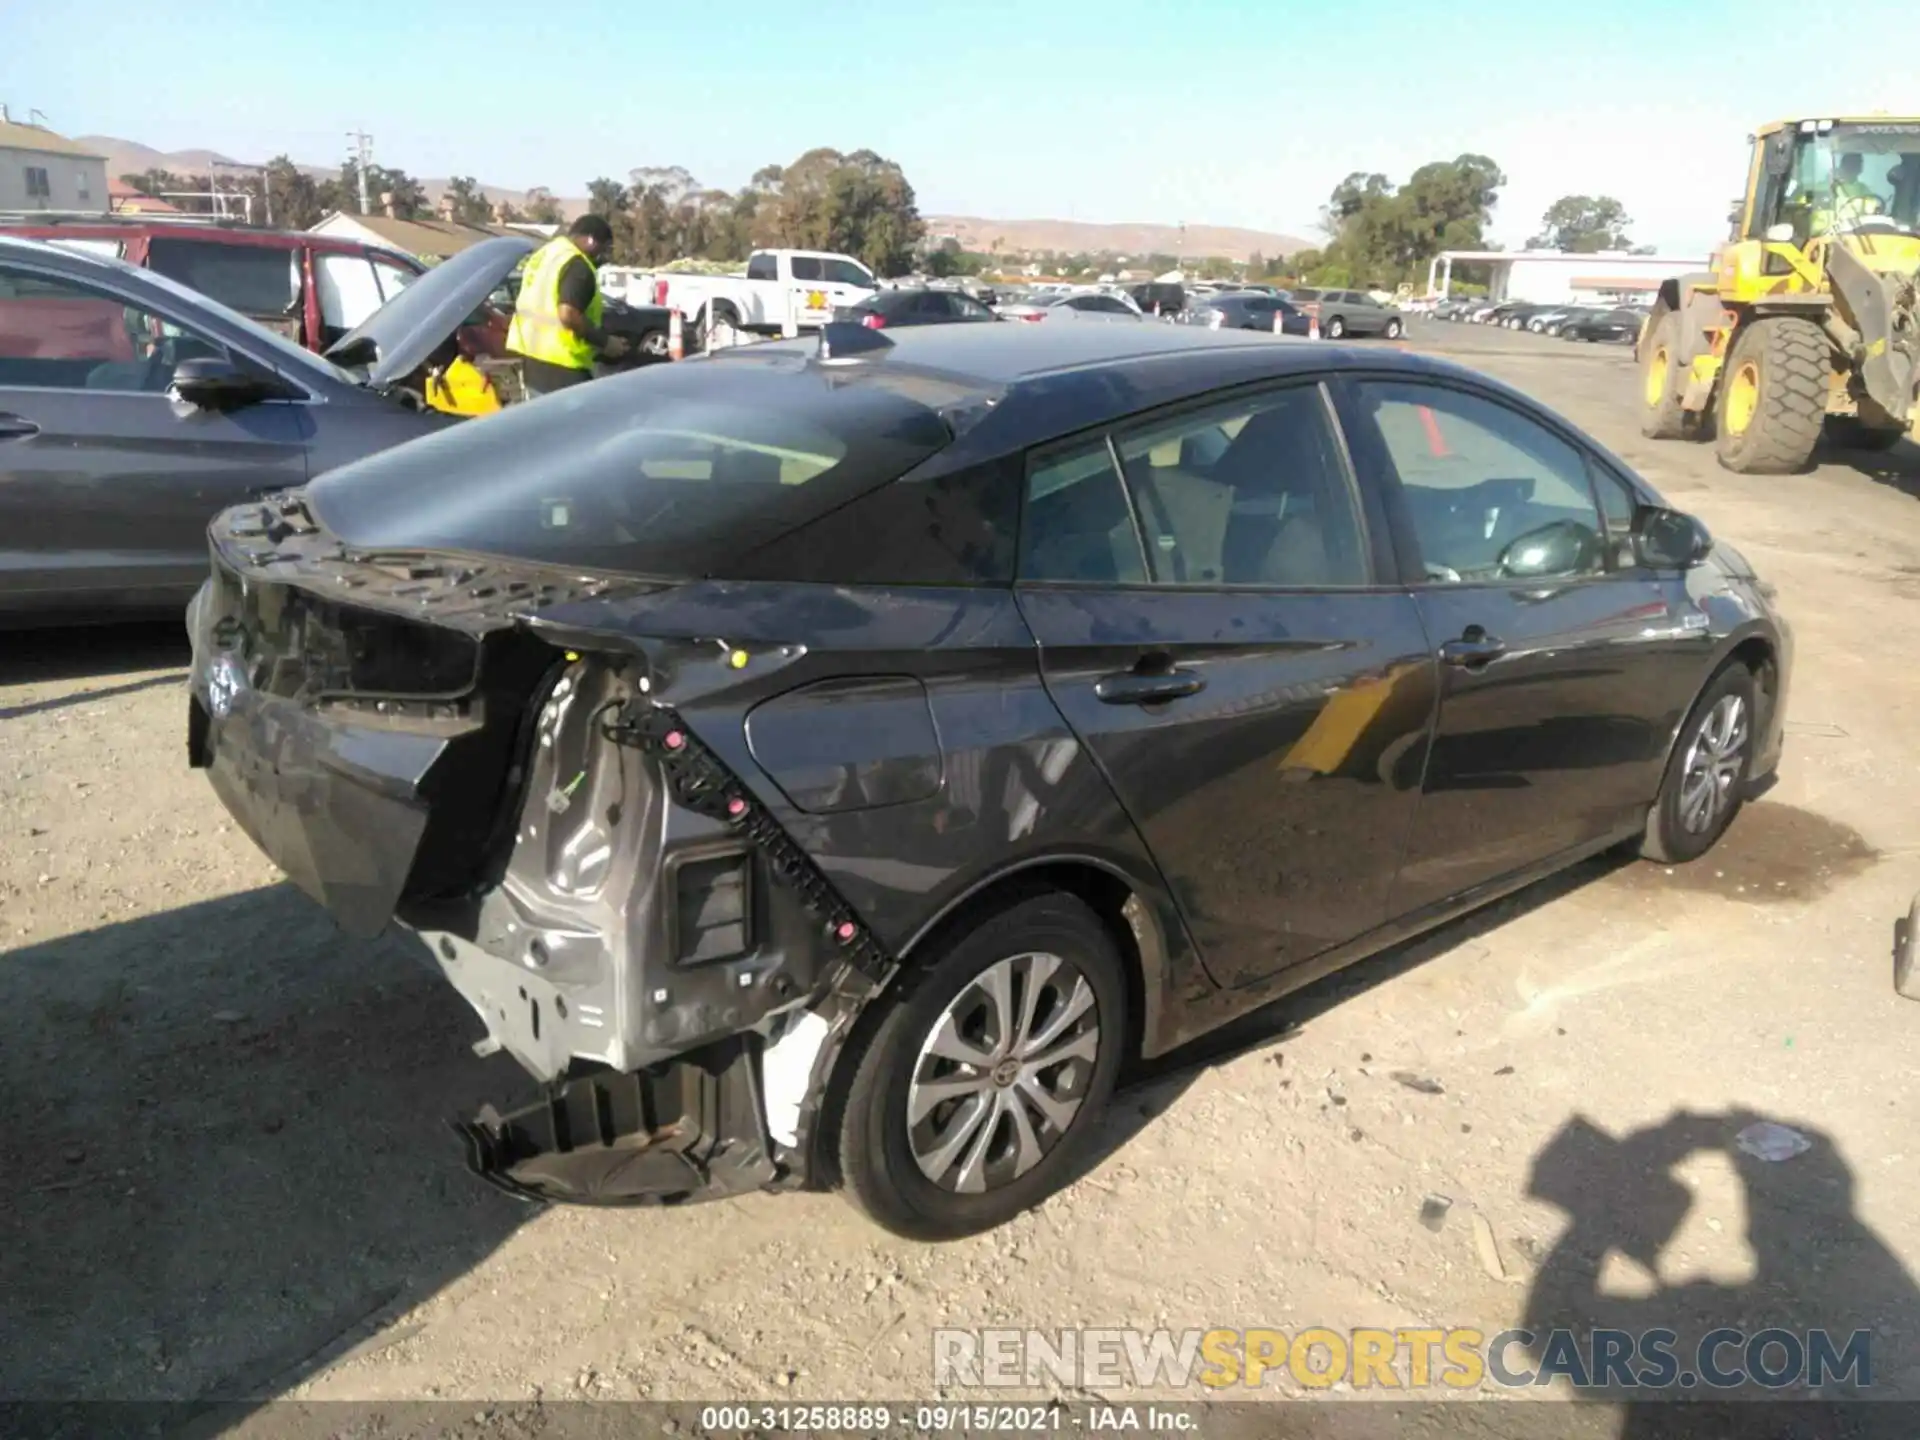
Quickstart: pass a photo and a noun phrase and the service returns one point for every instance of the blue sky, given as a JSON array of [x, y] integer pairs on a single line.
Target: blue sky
[[1235, 113]]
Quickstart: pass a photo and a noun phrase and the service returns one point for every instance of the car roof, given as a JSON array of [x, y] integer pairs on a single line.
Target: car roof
[[1022, 385], [207, 232]]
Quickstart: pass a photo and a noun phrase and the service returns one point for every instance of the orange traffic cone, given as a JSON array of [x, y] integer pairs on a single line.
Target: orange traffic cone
[[1436, 442], [1279, 322], [676, 336], [1313, 327]]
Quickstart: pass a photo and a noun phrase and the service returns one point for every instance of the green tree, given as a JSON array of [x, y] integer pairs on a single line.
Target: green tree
[[606, 197], [342, 193], [1583, 225], [1382, 234], [468, 201], [542, 208], [292, 196], [394, 189]]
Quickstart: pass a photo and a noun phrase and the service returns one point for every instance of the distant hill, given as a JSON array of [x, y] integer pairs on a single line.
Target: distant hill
[[129, 157], [1129, 238]]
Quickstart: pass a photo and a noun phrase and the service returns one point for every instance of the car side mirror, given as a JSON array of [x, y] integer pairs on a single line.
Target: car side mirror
[[1564, 547], [213, 383], [1669, 539]]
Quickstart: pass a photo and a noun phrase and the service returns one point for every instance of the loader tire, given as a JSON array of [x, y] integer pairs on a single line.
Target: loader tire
[[1663, 382], [1773, 397]]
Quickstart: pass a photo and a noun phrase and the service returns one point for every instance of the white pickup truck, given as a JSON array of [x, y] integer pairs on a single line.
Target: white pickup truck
[[781, 292]]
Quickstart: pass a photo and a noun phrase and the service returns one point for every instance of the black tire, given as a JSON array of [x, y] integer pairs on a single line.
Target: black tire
[[1335, 328], [1394, 330], [1789, 358], [1846, 432], [1671, 837], [1663, 376], [877, 1165]]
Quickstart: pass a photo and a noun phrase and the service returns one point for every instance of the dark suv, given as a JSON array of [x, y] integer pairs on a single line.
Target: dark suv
[[312, 289]]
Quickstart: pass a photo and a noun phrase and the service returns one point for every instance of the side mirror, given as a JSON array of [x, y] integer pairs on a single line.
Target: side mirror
[[1565, 547], [1669, 539], [218, 384]]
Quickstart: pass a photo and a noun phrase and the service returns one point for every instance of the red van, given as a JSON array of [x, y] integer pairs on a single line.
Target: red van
[[310, 288]]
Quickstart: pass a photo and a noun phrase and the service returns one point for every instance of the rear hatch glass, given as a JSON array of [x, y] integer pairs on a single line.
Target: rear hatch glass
[[668, 472]]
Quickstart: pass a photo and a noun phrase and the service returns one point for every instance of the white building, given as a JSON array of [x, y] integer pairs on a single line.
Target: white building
[[40, 170], [1549, 277]]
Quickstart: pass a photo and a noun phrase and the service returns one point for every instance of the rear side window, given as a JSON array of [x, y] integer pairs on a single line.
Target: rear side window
[[674, 471], [252, 279], [1077, 527], [1252, 492]]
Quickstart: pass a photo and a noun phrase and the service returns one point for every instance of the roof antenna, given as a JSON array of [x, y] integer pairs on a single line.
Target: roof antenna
[[843, 340]]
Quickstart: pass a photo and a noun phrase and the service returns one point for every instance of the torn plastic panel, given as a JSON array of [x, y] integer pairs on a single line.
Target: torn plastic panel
[[692, 1129]]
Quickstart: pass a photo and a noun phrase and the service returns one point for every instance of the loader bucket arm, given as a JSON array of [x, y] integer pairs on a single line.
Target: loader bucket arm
[[1882, 308]]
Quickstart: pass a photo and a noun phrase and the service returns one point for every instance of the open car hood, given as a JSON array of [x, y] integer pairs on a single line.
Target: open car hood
[[398, 338]]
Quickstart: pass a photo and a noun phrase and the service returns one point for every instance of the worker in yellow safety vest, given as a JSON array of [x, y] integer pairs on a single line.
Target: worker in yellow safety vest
[[1853, 198], [556, 319]]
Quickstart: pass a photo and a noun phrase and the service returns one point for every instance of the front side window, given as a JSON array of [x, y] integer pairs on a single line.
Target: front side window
[[393, 277], [1253, 492], [252, 279], [806, 267], [62, 335], [349, 290], [1491, 494], [845, 272]]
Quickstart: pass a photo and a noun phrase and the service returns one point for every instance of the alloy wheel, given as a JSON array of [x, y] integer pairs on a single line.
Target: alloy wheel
[[1003, 1073], [1713, 764]]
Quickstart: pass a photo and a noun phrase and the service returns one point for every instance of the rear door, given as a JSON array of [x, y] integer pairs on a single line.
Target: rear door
[[1204, 588], [106, 485], [1564, 668]]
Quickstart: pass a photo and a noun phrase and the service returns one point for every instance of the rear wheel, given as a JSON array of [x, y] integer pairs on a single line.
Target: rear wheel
[[979, 1090], [1706, 780], [1662, 382], [1393, 330], [1773, 397]]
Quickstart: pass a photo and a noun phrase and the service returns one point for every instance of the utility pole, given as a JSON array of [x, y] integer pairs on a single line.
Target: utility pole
[[362, 153]]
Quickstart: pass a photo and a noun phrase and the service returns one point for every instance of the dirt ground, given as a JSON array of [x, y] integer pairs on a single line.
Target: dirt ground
[[230, 1174]]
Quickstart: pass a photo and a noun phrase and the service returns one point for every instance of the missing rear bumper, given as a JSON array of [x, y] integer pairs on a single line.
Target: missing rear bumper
[[691, 1129]]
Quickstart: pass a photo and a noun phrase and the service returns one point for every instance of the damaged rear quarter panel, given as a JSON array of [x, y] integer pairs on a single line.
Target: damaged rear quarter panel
[[1015, 788]]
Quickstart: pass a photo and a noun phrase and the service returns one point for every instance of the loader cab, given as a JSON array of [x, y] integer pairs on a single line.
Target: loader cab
[[1833, 177]]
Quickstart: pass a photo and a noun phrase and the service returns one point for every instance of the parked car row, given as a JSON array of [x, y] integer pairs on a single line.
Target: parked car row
[[1568, 321]]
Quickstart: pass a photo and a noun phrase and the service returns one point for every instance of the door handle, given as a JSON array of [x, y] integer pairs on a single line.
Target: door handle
[[15, 427], [1131, 687], [1474, 648]]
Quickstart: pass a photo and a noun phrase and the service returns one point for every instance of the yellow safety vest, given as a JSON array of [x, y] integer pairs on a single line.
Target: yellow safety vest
[[536, 331]]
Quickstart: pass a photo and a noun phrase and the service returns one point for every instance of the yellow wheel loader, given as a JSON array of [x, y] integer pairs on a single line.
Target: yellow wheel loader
[[1809, 321]]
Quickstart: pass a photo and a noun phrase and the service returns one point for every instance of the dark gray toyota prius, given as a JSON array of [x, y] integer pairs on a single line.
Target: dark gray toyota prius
[[830, 763]]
